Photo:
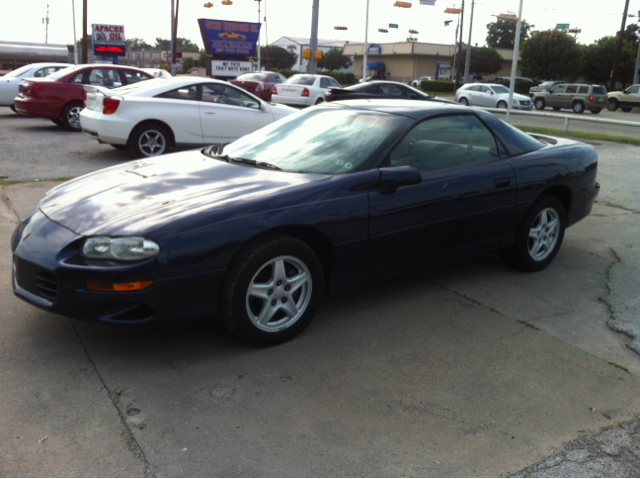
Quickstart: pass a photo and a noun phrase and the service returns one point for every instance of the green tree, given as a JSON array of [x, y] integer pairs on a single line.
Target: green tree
[[483, 61], [502, 33], [601, 54], [551, 57], [188, 63], [277, 57], [182, 45], [334, 60], [136, 44]]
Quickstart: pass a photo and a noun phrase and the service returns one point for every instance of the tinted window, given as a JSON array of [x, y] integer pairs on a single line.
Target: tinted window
[[322, 140], [301, 80], [571, 89], [474, 88], [324, 83], [133, 76], [558, 89], [227, 95], [500, 89], [446, 142], [334, 83], [582, 89], [252, 77], [515, 141], [599, 90], [191, 92]]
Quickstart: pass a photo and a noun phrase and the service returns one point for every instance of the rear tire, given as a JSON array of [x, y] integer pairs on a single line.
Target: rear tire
[[151, 139], [319, 100], [626, 109], [578, 107], [539, 104], [538, 237], [464, 101], [595, 111], [272, 291], [71, 115]]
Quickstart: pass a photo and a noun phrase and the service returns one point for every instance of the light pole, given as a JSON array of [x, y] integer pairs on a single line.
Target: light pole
[[314, 36], [514, 63], [365, 58], [75, 41], [468, 58], [259, 50]]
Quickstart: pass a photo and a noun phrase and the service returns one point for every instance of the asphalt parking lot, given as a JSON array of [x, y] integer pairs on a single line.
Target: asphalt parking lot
[[470, 369]]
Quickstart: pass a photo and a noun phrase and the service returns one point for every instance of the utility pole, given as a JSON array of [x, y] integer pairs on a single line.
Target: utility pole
[[616, 58], [314, 36], [75, 41], [457, 70], [85, 40], [259, 33], [365, 57], [468, 59], [514, 63], [46, 23]]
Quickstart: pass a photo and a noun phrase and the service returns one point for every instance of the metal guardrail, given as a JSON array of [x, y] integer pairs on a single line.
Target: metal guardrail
[[567, 118]]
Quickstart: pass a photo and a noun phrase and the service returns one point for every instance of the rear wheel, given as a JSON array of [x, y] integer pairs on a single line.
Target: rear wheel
[[578, 107], [464, 101], [272, 291], [538, 237], [151, 139], [71, 115], [539, 104], [626, 109], [319, 100]]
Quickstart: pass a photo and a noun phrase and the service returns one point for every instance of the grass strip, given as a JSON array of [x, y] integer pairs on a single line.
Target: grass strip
[[578, 134]]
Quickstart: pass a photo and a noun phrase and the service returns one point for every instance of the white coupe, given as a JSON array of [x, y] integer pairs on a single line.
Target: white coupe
[[10, 83], [151, 117], [303, 90]]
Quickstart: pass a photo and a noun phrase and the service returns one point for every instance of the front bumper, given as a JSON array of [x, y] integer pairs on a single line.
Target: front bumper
[[49, 273]]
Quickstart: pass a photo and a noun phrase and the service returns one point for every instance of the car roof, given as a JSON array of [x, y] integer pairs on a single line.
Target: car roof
[[417, 110]]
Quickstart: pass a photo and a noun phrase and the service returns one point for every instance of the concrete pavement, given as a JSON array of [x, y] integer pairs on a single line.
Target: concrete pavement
[[472, 369]]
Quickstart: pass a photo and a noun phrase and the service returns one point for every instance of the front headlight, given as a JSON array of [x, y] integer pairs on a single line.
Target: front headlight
[[127, 248]]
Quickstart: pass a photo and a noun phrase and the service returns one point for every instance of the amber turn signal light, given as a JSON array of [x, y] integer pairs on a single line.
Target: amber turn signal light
[[119, 287]]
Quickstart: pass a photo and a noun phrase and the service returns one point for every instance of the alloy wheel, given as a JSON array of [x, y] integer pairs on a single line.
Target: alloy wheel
[[543, 234]]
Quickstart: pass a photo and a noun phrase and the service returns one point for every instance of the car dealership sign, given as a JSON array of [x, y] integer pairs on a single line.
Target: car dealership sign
[[222, 37], [108, 40], [225, 68]]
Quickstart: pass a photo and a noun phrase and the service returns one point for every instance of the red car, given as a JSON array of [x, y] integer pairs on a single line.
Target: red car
[[259, 83], [60, 96]]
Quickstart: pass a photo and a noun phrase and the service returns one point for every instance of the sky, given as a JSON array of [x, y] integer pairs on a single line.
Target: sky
[[22, 20]]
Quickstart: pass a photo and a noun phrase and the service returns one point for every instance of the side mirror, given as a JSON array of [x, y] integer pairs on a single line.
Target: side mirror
[[397, 176], [626, 92]]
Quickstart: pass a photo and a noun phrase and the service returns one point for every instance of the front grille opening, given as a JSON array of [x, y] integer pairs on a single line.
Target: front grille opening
[[47, 285]]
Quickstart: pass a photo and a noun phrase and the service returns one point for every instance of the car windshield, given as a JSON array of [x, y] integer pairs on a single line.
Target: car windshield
[[500, 89], [252, 77], [63, 72], [19, 72], [321, 140], [301, 80]]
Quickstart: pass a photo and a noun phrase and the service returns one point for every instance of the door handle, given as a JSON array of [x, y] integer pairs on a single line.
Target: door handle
[[502, 182], [210, 112]]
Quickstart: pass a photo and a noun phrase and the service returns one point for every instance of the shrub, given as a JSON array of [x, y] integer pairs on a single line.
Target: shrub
[[344, 78], [521, 87], [437, 85]]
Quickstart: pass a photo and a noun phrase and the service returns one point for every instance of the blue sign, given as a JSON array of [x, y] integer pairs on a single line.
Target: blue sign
[[223, 37], [374, 49]]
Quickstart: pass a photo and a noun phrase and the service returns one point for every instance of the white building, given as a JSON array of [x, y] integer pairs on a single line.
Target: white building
[[297, 44]]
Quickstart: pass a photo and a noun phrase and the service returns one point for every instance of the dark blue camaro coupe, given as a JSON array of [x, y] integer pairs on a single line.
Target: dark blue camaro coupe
[[255, 232]]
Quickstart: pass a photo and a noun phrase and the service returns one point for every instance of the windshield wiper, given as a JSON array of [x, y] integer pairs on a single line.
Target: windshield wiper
[[264, 164]]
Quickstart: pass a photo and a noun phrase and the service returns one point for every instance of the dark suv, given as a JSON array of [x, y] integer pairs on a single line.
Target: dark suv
[[578, 97]]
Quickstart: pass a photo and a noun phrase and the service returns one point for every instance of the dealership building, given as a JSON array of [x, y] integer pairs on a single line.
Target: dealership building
[[407, 61]]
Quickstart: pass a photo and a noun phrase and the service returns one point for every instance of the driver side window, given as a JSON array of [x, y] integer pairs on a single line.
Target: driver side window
[[558, 89], [446, 142]]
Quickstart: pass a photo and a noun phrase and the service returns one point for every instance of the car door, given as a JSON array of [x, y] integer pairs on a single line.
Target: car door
[[484, 96], [227, 113], [462, 205], [630, 97], [180, 109], [554, 98]]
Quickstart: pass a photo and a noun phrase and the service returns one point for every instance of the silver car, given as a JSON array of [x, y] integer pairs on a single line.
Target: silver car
[[491, 95]]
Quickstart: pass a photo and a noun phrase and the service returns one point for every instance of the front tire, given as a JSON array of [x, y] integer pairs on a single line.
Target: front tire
[[538, 237], [539, 104], [502, 104], [578, 107], [71, 116], [149, 140], [272, 291], [613, 104]]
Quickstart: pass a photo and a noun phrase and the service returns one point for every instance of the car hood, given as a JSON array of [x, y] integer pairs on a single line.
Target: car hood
[[516, 96], [153, 191]]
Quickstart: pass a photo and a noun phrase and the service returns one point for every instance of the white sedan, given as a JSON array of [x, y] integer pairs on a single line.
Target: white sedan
[[10, 83], [416, 83], [151, 117], [491, 95], [303, 90]]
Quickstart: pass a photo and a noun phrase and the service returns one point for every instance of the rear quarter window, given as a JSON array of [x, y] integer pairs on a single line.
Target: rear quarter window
[[599, 90], [583, 89]]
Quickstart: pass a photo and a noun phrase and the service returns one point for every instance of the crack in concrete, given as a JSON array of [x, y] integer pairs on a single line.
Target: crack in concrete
[[5, 199], [132, 443]]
